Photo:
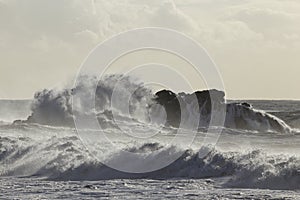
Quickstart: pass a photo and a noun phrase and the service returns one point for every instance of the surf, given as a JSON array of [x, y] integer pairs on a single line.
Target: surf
[[65, 159], [55, 108]]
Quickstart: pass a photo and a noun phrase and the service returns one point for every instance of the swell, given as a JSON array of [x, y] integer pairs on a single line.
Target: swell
[[292, 118], [64, 158]]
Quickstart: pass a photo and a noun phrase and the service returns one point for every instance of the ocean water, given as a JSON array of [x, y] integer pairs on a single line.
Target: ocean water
[[50, 162], [140, 151]]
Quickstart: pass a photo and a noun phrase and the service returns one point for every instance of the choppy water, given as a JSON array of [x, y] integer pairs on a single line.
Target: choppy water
[[44, 162]]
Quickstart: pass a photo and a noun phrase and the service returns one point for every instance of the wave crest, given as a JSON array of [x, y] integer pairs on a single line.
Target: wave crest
[[66, 159], [55, 107]]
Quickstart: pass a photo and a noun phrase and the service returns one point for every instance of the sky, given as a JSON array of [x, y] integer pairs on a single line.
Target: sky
[[255, 43]]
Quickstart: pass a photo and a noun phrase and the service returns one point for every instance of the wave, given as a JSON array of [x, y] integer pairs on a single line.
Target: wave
[[244, 116], [64, 158], [291, 117], [52, 107], [267, 172], [55, 108]]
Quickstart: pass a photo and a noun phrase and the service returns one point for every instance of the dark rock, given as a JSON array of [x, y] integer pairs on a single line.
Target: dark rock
[[210, 95], [172, 102], [246, 104]]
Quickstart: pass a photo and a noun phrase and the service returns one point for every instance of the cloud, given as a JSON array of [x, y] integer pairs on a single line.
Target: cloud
[[92, 19], [277, 25], [53, 37], [169, 16]]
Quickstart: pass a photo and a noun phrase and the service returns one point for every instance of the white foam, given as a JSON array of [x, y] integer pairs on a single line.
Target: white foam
[[64, 158]]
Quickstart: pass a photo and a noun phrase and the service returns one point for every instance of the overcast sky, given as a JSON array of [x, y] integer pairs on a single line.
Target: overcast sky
[[255, 43]]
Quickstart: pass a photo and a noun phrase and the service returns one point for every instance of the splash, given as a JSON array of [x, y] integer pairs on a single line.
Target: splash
[[51, 107], [55, 108], [64, 158]]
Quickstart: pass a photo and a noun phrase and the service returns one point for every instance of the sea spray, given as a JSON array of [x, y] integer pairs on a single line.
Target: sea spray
[[55, 108]]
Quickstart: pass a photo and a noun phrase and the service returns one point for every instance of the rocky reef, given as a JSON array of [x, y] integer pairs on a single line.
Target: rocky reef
[[238, 115]]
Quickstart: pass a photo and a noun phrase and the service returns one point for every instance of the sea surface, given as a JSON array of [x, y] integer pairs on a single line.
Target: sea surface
[[49, 162]]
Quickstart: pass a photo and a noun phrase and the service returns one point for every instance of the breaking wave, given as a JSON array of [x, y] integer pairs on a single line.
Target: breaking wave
[[51, 107], [64, 158]]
